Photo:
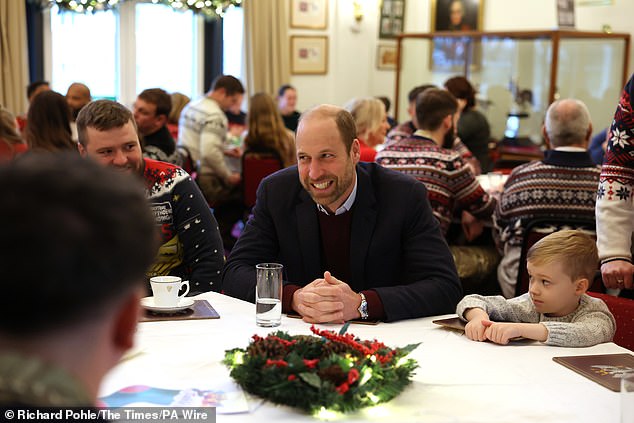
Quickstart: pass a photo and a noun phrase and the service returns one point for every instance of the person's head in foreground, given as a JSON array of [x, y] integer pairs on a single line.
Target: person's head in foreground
[[561, 267], [108, 134], [327, 153], [78, 239]]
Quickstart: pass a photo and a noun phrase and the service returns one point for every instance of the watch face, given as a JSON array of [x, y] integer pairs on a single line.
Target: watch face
[[363, 308]]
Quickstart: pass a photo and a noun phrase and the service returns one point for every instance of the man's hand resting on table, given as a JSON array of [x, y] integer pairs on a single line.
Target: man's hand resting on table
[[326, 300]]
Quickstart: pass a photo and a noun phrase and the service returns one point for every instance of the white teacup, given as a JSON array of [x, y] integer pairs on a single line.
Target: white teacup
[[165, 290]]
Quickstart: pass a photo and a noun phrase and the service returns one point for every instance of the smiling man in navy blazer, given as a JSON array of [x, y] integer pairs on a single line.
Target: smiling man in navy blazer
[[356, 240]]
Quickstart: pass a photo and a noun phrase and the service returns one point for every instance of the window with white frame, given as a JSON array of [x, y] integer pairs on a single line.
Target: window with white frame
[[119, 54], [233, 39]]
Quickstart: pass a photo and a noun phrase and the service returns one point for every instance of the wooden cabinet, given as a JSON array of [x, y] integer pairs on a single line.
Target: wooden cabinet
[[519, 72]]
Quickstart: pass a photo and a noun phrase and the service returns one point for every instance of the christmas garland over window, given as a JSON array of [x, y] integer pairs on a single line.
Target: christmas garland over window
[[321, 374], [207, 8]]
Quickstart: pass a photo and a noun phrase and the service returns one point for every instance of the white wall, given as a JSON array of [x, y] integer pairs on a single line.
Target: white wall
[[352, 68]]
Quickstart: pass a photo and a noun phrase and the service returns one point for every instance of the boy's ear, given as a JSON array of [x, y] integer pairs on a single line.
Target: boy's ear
[[581, 286]]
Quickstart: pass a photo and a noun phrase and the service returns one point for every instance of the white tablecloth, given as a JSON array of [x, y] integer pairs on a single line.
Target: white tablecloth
[[458, 380]]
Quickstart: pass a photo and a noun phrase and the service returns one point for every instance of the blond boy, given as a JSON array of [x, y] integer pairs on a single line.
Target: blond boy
[[556, 309]]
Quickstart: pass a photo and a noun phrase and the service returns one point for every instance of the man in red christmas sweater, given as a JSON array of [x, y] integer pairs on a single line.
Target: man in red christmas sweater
[[190, 242]]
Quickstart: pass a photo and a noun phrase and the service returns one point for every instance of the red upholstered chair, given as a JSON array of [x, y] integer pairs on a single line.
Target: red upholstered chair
[[623, 311], [257, 165]]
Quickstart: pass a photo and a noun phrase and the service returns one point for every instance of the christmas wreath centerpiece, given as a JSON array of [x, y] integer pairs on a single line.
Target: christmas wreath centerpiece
[[330, 371]]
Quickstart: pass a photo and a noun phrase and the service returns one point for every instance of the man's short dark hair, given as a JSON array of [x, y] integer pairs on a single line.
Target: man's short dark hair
[[30, 89], [230, 84], [78, 237], [160, 98], [283, 89], [432, 106], [102, 115], [413, 93]]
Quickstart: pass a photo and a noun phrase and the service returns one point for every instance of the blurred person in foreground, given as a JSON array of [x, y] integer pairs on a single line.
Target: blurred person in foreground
[[90, 236]]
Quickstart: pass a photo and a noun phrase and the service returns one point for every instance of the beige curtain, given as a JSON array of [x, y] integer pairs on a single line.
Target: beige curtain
[[13, 55], [267, 45]]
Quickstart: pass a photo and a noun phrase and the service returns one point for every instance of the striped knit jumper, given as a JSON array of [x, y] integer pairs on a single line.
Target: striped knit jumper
[[562, 186], [450, 184], [615, 209]]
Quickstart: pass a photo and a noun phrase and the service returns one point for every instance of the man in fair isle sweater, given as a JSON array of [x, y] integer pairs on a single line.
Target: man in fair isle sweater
[[425, 155], [615, 210], [561, 186], [190, 242]]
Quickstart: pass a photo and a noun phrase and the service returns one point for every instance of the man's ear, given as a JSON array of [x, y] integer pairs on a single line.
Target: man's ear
[[581, 286], [161, 119], [546, 139], [82, 149], [355, 150], [447, 122], [125, 324]]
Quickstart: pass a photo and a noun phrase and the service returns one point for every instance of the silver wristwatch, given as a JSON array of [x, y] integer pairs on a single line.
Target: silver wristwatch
[[363, 307]]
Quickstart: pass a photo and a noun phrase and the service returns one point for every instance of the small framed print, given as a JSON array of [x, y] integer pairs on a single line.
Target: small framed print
[[566, 14], [386, 57], [309, 55], [391, 19], [309, 14]]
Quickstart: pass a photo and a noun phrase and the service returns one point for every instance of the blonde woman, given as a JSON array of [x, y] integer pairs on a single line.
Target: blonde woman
[[371, 122], [266, 130]]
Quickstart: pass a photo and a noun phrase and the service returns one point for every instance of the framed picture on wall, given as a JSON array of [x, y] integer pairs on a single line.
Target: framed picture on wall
[[456, 15], [309, 14], [391, 18], [450, 53], [566, 14], [309, 55], [386, 57]]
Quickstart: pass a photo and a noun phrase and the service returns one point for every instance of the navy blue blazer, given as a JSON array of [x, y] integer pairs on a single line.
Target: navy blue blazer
[[396, 246]]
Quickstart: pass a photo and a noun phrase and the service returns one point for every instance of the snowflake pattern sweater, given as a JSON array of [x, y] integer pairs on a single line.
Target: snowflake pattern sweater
[[615, 209]]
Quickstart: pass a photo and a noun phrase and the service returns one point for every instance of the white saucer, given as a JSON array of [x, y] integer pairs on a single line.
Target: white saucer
[[184, 303]]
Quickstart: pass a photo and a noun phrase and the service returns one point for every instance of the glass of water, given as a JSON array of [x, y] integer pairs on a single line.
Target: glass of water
[[627, 397], [268, 294]]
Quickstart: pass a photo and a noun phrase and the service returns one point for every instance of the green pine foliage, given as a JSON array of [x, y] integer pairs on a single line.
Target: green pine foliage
[[334, 371]]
